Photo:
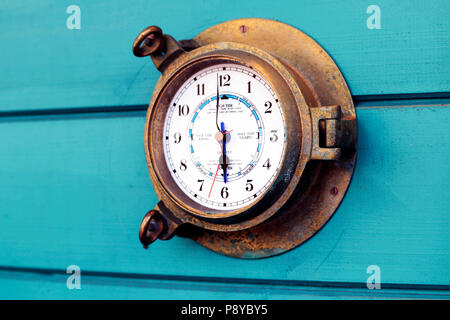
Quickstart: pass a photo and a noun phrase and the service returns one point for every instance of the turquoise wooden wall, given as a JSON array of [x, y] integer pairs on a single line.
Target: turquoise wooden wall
[[74, 184]]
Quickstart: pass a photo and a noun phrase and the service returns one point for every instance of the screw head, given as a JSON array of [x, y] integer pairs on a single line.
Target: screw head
[[334, 191]]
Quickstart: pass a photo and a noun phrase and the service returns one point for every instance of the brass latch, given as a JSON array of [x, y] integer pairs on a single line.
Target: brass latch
[[331, 133]]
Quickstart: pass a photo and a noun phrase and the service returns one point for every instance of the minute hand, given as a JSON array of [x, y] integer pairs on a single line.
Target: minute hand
[[217, 104], [224, 151]]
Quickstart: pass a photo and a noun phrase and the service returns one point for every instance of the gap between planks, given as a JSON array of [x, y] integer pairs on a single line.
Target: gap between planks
[[361, 102], [225, 280]]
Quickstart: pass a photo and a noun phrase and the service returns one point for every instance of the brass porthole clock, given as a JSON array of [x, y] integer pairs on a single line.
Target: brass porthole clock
[[250, 137]]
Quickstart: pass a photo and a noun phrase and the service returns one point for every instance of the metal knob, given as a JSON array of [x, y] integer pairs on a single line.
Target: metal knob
[[152, 226], [148, 42]]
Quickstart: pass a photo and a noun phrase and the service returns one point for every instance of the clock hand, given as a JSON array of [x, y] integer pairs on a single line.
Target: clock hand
[[224, 151], [217, 170], [217, 103]]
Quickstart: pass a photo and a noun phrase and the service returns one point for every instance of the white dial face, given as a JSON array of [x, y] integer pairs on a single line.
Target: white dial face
[[224, 137]]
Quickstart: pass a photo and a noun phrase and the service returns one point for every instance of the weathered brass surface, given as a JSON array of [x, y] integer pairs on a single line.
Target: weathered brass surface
[[321, 145]]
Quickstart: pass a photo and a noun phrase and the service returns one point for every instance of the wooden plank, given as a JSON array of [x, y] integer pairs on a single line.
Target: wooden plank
[[20, 285], [45, 65], [74, 188]]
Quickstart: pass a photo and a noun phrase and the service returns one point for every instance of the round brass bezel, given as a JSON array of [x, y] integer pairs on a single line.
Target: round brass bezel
[[297, 148]]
